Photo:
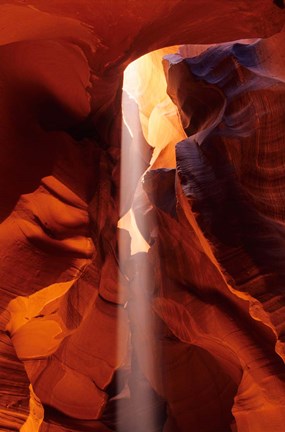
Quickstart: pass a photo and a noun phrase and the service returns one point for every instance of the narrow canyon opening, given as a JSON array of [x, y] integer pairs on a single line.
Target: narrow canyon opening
[[151, 128], [179, 102], [142, 231]]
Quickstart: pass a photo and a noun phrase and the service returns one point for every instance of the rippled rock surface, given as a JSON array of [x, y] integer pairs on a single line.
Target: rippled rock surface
[[223, 290], [187, 333]]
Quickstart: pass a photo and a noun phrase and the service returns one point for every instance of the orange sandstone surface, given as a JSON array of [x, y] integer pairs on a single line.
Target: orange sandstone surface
[[142, 230]]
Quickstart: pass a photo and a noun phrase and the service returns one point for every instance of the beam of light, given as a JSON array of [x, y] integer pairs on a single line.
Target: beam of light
[[141, 415]]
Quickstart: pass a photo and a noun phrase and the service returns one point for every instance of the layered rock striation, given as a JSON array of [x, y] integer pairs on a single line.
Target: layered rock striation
[[188, 333]]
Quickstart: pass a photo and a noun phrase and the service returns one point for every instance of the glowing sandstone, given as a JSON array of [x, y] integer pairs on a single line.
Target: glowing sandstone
[[213, 344]]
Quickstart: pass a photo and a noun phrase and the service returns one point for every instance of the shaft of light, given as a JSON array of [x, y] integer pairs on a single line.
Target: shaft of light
[[141, 416]]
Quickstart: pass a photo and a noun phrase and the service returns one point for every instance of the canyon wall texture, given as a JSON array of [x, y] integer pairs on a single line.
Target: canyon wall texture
[[183, 329]]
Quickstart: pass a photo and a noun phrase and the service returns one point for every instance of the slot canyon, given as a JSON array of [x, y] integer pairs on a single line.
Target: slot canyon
[[142, 206]]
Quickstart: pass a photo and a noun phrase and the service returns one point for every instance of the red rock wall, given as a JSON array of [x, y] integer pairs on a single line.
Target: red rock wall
[[212, 280]]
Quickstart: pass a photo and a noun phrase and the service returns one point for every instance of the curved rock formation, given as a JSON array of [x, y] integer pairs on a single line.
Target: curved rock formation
[[188, 335], [227, 219]]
